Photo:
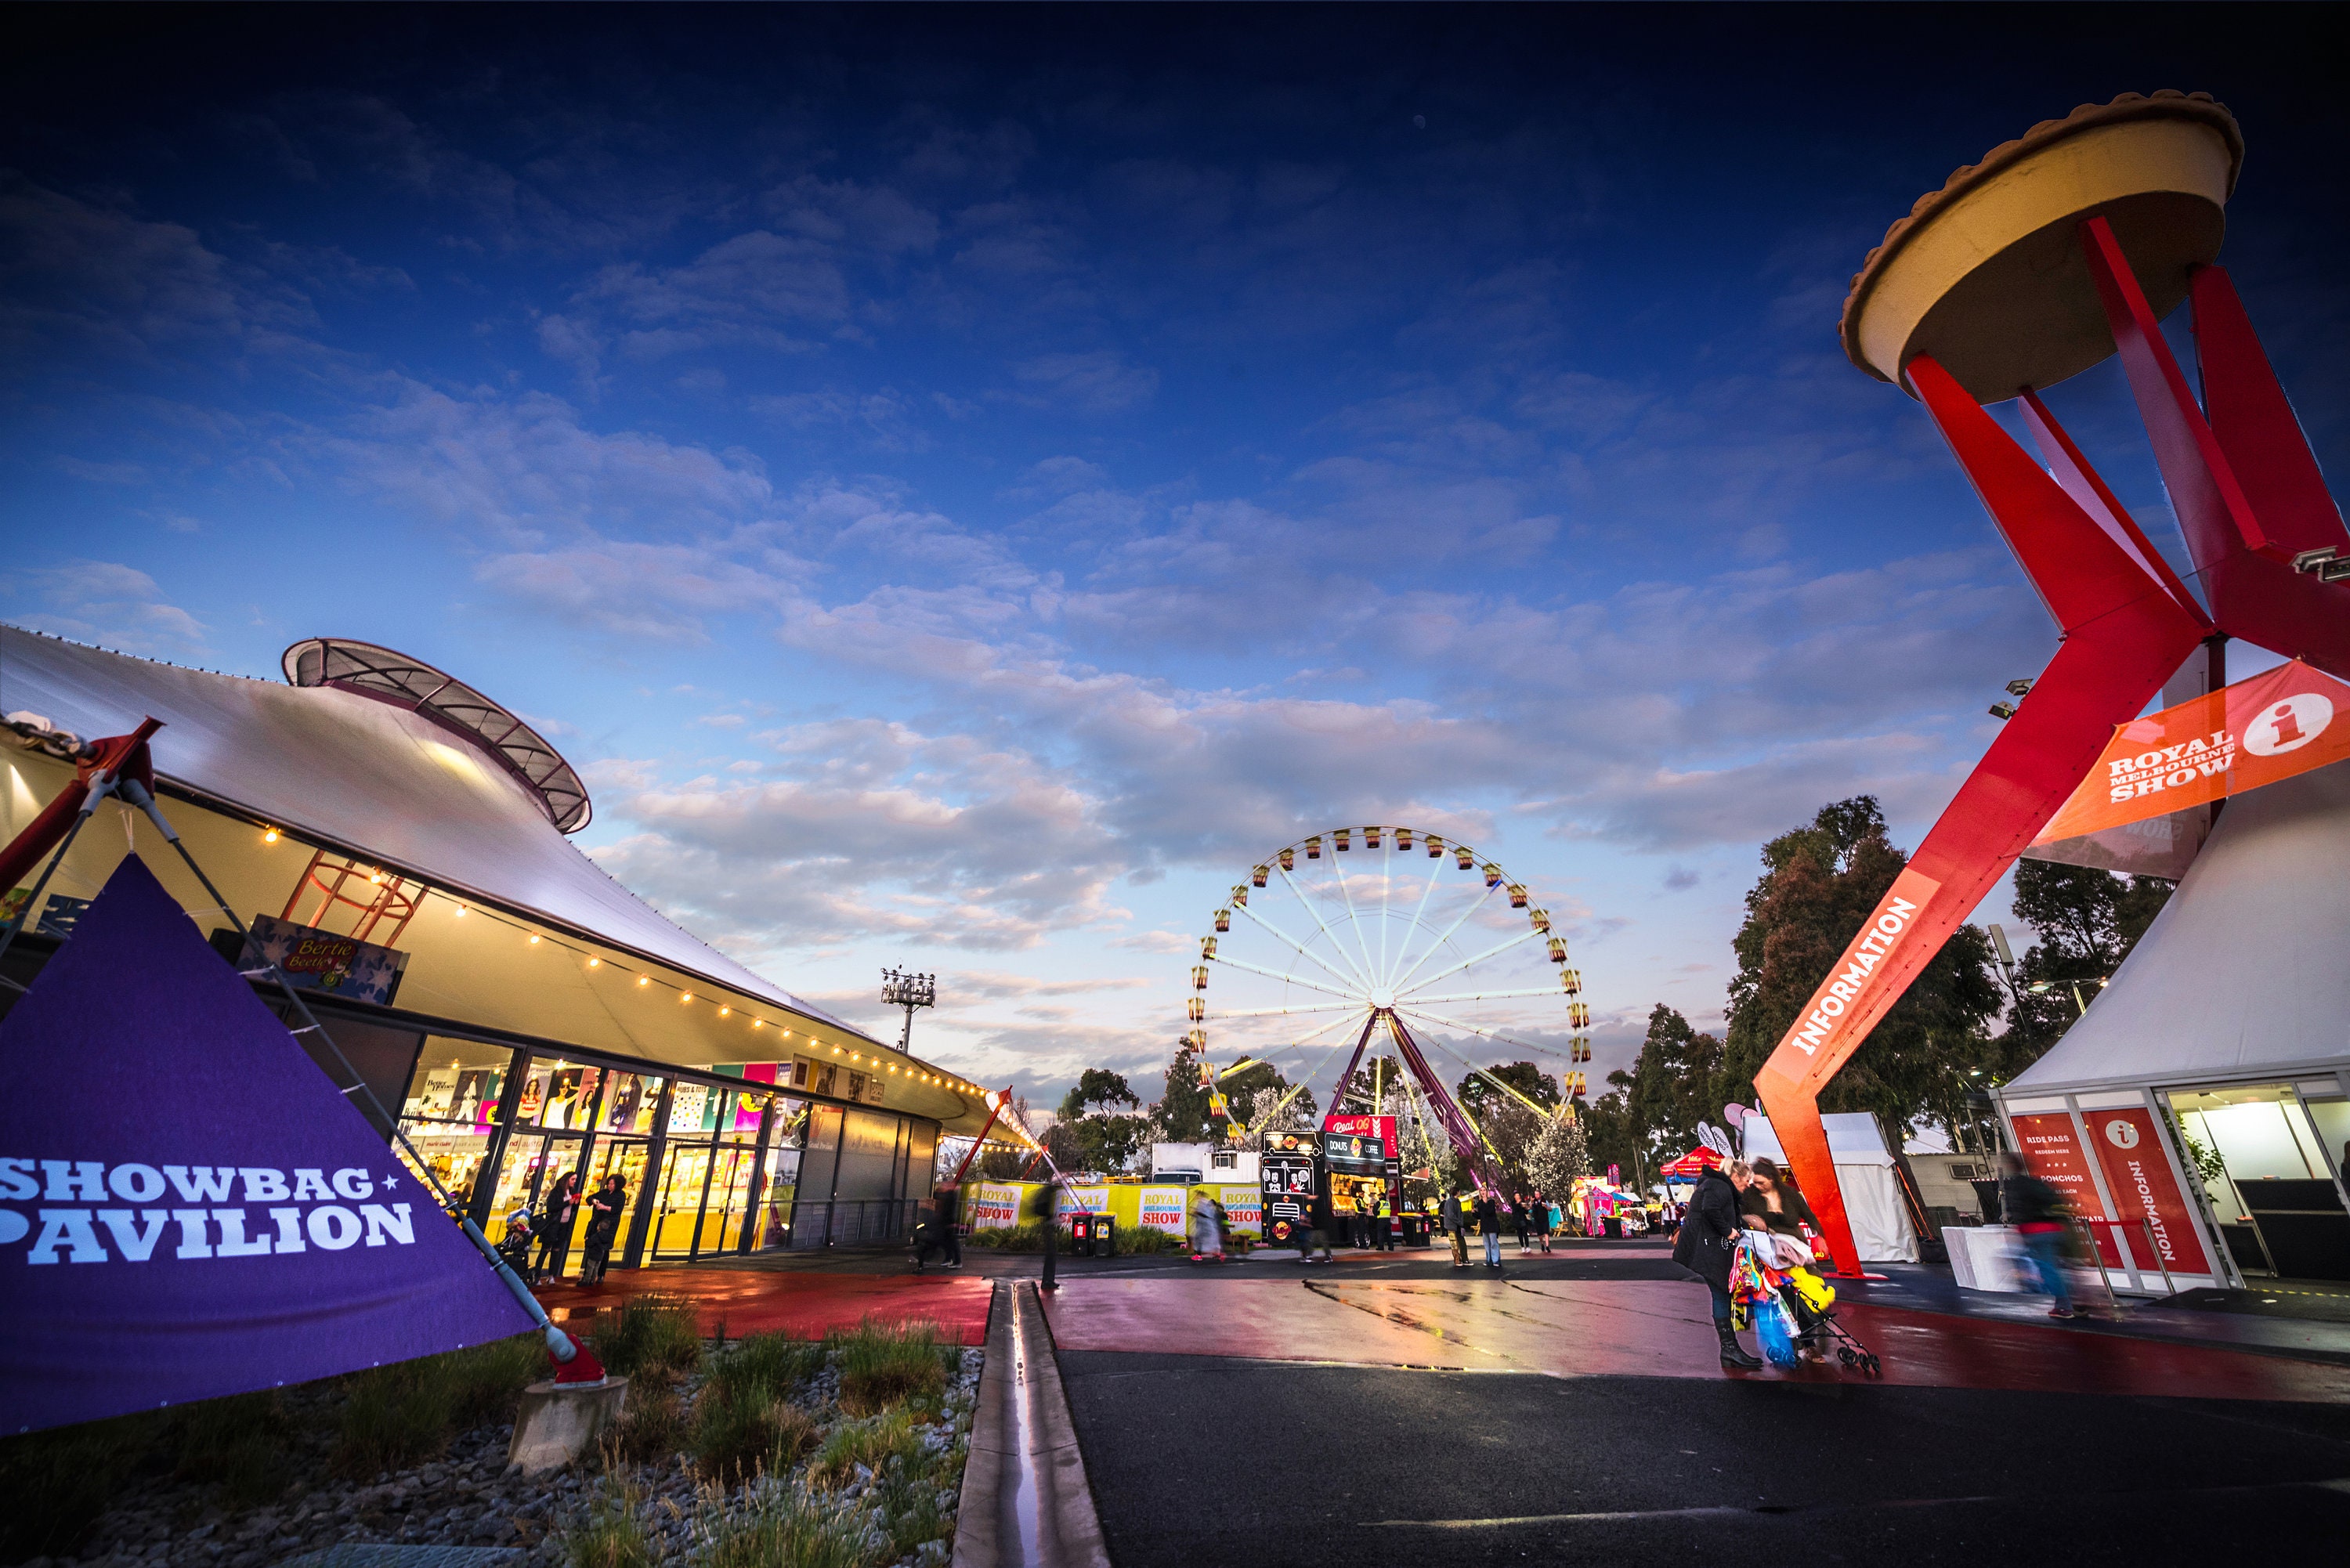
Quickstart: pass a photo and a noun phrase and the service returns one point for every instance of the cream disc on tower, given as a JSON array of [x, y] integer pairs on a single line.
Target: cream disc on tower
[[1987, 275]]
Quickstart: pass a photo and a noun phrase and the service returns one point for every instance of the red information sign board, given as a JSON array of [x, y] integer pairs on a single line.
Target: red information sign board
[[2138, 1176], [2056, 1157]]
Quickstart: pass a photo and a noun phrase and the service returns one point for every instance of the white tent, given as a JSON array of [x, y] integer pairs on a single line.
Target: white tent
[[2243, 975], [1864, 1169]]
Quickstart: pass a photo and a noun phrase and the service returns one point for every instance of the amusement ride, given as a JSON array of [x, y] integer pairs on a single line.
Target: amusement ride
[[1358, 940]]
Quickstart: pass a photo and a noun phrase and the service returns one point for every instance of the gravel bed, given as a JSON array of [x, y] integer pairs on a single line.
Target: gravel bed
[[467, 1498]]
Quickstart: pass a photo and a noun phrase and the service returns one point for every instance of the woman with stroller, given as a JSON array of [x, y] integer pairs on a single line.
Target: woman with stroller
[[1707, 1237], [1773, 1202]]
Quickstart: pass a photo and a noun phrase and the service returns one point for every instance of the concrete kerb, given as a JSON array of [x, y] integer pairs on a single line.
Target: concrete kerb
[[1025, 1504]]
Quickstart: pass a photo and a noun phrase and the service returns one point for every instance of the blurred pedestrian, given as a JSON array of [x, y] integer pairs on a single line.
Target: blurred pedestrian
[[1546, 1218], [1045, 1206], [947, 1207], [1317, 1235], [1709, 1235], [2037, 1211], [1207, 1235], [1525, 1218]]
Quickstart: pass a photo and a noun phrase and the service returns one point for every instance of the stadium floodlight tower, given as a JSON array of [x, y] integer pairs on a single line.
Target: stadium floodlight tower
[[2056, 252], [902, 987]]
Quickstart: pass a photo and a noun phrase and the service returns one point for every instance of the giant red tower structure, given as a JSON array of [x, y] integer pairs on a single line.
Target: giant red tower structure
[[2056, 251]]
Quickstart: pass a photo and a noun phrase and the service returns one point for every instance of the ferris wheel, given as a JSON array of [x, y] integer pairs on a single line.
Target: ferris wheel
[[1377, 939]]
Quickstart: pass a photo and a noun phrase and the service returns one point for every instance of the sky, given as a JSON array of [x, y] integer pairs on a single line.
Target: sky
[[961, 485]]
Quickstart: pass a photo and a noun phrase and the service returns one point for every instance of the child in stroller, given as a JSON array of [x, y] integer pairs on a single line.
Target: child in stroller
[[513, 1247]]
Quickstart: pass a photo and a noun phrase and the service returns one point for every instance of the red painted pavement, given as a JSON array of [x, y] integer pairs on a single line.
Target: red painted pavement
[[807, 1305], [1638, 1328]]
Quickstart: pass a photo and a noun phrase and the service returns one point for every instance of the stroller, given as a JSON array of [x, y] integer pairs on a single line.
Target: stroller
[[1772, 1282], [513, 1247]]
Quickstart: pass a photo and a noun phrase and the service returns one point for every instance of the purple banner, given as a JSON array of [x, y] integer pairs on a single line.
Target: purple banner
[[188, 1206]]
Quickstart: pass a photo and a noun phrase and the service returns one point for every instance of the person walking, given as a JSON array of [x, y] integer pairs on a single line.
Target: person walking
[[555, 1233], [1708, 1236], [1489, 1226], [1525, 1216], [1317, 1235], [604, 1211], [1546, 1216], [1207, 1237], [948, 1208], [2037, 1211], [1455, 1223], [1045, 1208]]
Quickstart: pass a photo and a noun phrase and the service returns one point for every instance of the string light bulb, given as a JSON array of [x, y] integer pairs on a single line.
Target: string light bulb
[[460, 912], [684, 996], [643, 980], [725, 1012], [595, 963], [533, 939], [269, 836]]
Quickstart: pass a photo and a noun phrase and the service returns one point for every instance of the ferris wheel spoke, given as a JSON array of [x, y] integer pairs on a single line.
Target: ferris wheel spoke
[[1285, 1012], [1387, 893], [1512, 1091], [1420, 909], [1529, 934], [1490, 995], [1303, 950], [1362, 980], [1355, 922], [1493, 1034], [1474, 904], [1288, 979]]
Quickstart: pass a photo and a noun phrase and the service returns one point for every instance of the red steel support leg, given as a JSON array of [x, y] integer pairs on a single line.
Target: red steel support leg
[[2124, 634], [2244, 554]]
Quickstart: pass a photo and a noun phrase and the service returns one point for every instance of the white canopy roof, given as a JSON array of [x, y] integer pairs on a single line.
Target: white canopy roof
[[2244, 971], [1853, 1138], [353, 772]]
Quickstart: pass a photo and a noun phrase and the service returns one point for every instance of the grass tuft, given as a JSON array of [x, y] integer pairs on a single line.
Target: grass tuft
[[241, 1443], [869, 1443], [612, 1535], [762, 1365], [58, 1482], [884, 1363], [651, 1333], [736, 1439], [652, 1427], [785, 1530]]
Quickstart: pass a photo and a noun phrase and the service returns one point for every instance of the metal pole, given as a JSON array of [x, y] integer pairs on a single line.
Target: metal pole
[[560, 1345]]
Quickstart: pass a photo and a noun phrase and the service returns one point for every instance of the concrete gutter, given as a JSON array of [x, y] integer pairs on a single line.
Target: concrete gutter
[[1025, 1503]]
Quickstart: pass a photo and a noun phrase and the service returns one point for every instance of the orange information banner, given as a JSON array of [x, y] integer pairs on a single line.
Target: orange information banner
[[2284, 721]]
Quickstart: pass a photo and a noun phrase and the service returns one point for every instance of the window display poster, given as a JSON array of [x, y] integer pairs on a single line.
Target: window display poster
[[690, 1109], [630, 1099], [2138, 1173], [569, 1096], [2055, 1155], [467, 1096], [747, 1106]]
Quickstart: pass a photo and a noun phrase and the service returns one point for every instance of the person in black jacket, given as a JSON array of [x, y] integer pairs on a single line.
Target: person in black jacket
[[1318, 1236], [554, 1235], [1708, 1234], [1489, 1225]]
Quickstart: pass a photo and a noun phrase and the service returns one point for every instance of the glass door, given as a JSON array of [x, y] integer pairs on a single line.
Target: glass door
[[532, 1161], [677, 1212], [2264, 1165], [624, 1157]]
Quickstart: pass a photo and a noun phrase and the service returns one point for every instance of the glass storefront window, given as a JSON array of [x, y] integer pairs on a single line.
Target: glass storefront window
[[452, 1106], [2264, 1167], [557, 1095]]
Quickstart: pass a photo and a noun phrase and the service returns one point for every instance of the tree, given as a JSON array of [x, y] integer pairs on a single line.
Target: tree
[[1097, 1134], [1561, 1156], [1820, 884], [1475, 1093], [1181, 1113], [1608, 1131], [2087, 921], [1673, 1084]]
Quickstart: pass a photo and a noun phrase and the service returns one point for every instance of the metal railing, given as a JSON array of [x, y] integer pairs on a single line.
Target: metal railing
[[851, 1221], [2088, 1228]]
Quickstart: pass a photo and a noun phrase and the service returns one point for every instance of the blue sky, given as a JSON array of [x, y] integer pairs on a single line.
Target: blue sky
[[964, 484]]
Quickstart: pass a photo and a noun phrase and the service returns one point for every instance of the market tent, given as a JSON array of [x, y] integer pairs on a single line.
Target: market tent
[[1693, 1164], [1864, 1169], [2242, 972]]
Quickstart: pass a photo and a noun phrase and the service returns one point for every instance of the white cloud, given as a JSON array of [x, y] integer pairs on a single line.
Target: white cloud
[[109, 604]]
